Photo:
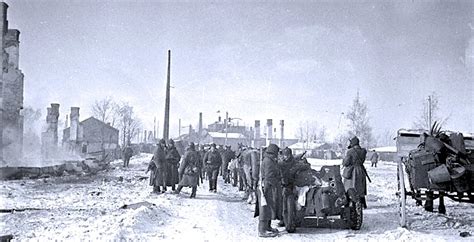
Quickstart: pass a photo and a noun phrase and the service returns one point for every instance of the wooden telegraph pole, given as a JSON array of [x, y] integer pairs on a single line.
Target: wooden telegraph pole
[[166, 126]]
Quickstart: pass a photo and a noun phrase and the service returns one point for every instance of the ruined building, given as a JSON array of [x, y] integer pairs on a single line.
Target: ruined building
[[90, 137], [49, 138], [11, 92]]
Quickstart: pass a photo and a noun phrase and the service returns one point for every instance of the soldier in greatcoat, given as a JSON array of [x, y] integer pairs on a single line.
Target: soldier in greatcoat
[[251, 158], [213, 162], [127, 154], [172, 161], [159, 160], [355, 175], [227, 156], [189, 170], [270, 191], [374, 158]]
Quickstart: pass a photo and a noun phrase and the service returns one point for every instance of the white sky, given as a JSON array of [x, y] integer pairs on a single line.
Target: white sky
[[297, 61]]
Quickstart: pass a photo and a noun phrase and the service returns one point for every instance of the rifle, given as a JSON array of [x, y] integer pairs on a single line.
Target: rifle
[[151, 166], [363, 168], [299, 157], [365, 172]]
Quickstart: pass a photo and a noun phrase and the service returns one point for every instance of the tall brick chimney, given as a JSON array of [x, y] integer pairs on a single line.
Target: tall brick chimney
[[54, 122], [3, 18], [282, 132], [74, 130], [3, 30], [269, 131], [257, 130], [200, 126]]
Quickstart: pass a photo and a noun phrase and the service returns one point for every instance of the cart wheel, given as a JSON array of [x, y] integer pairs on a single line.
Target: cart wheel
[[356, 215], [401, 195]]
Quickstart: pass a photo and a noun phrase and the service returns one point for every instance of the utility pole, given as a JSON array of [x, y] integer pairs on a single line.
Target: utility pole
[[226, 122], [139, 141], [154, 129], [166, 126], [307, 138], [429, 111], [179, 132]]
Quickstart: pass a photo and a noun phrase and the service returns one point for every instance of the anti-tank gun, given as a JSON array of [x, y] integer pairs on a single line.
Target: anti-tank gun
[[322, 200]]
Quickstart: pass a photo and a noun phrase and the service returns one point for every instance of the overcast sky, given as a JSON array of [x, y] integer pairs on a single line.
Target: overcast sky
[[297, 61]]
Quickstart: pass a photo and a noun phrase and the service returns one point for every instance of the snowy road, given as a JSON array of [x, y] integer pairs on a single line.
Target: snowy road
[[91, 208]]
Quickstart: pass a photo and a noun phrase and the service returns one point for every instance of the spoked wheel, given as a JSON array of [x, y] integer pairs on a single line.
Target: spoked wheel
[[401, 195]]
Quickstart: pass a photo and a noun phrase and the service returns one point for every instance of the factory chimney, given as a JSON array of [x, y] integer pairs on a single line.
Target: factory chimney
[[269, 131]]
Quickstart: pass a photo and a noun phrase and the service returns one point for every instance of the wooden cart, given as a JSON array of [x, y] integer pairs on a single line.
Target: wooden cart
[[418, 167]]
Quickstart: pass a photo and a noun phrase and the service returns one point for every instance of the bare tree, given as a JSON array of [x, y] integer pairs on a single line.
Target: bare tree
[[322, 134], [309, 131], [105, 110], [386, 138], [430, 113], [359, 121], [128, 123]]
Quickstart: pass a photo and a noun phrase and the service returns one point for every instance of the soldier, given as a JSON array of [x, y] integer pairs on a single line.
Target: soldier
[[212, 161], [270, 184], [202, 153], [250, 165], [374, 158], [289, 167], [234, 171], [354, 172], [227, 156], [159, 160], [127, 154], [189, 170], [240, 167], [172, 161]]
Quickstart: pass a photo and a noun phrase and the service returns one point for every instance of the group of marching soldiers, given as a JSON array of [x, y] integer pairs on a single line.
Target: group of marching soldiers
[[166, 169], [267, 176]]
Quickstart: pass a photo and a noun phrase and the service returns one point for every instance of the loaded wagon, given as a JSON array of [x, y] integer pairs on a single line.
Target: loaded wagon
[[433, 165]]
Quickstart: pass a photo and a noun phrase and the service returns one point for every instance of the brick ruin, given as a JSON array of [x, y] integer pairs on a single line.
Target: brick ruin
[[11, 92], [49, 138]]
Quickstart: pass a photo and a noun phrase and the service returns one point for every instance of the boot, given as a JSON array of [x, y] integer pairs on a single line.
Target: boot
[[178, 190], [269, 227], [173, 187], [262, 229], [193, 192], [249, 199], [281, 223], [254, 198], [156, 189]]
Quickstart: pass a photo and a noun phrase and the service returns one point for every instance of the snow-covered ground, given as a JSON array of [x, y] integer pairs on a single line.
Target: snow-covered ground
[[91, 208]]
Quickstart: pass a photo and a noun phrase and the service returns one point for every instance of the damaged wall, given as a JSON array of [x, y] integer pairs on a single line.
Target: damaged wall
[[49, 138], [11, 92]]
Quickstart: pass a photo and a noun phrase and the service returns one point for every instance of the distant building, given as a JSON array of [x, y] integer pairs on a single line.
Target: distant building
[[233, 139], [315, 150], [91, 136], [386, 153]]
